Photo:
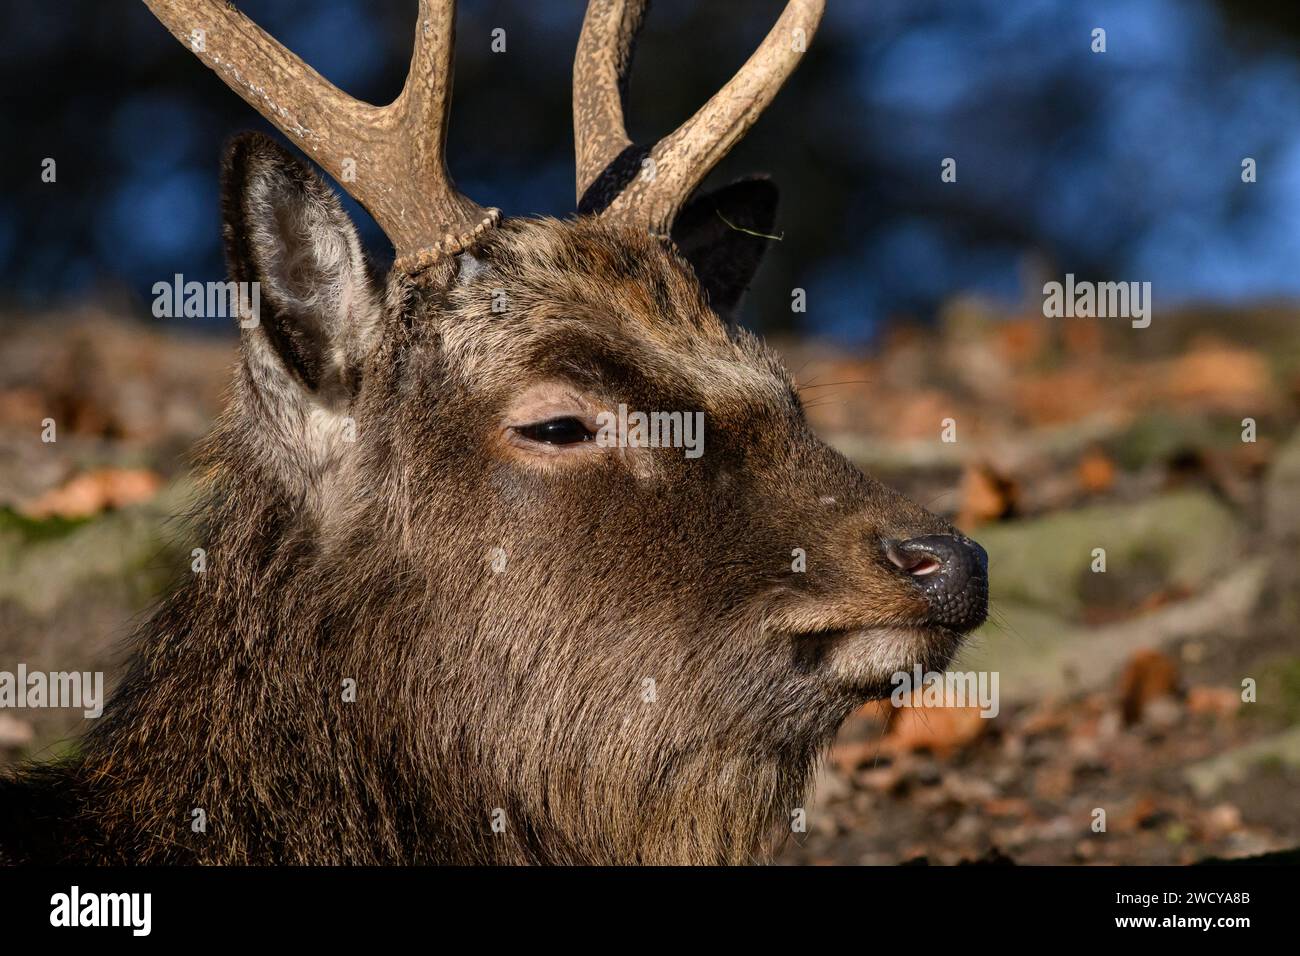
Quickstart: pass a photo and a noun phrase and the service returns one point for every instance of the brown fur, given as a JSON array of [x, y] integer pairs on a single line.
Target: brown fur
[[522, 691]]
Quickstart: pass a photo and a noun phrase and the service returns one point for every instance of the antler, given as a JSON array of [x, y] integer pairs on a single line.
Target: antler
[[389, 158], [613, 178]]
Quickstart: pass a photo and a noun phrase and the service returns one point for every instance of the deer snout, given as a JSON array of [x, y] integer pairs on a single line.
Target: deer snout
[[952, 573]]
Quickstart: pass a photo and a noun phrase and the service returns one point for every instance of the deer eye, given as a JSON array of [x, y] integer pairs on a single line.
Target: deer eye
[[557, 431]]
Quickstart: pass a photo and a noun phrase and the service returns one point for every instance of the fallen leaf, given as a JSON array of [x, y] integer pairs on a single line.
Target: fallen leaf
[[1022, 341], [1096, 472], [1016, 807], [1082, 339], [1222, 377], [985, 496], [1149, 676], [1221, 820], [1214, 701], [91, 492], [1062, 396], [940, 730]]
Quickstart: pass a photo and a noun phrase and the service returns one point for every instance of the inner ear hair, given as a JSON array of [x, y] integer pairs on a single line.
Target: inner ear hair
[[286, 230]]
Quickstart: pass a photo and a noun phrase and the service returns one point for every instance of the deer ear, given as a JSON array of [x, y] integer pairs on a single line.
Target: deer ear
[[716, 232], [315, 309]]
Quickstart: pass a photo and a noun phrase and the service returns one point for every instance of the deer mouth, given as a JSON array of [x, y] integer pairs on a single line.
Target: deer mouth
[[867, 659]]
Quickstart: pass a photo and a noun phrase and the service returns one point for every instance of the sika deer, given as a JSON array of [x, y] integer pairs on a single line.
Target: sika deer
[[440, 622]]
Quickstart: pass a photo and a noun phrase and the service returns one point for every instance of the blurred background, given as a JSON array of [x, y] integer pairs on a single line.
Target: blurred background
[[1172, 447]]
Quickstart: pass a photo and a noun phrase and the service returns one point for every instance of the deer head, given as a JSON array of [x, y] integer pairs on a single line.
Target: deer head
[[564, 648]]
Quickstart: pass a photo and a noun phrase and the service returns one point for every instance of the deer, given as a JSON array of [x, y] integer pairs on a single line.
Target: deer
[[439, 622]]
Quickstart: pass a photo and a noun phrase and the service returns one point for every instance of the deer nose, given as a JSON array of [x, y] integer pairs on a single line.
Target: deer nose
[[952, 572]]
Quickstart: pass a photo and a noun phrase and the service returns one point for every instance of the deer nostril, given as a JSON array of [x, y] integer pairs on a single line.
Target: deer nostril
[[952, 572], [915, 562], [938, 552]]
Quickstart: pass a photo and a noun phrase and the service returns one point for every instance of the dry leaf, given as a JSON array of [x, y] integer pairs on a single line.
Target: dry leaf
[[1096, 471], [1149, 676], [985, 496], [94, 491], [940, 730]]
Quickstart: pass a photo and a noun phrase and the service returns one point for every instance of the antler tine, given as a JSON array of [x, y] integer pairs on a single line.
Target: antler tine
[[389, 158], [600, 71], [612, 179]]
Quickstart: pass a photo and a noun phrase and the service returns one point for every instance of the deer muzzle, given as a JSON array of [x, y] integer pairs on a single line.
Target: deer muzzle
[[951, 571]]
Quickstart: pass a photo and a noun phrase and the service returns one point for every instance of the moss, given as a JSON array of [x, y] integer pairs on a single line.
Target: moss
[[30, 530], [1279, 691], [1177, 541], [135, 552], [1161, 437]]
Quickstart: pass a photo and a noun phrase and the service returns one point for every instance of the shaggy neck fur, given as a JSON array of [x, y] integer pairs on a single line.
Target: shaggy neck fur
[[233, 712]]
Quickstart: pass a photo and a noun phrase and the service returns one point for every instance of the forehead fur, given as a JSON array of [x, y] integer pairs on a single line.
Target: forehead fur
[[539, 290]]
